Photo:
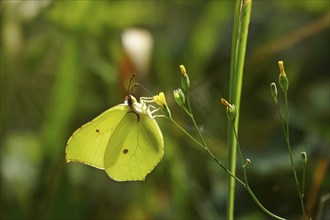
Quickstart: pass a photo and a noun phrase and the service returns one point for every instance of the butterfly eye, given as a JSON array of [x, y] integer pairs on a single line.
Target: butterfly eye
[[129, 101]]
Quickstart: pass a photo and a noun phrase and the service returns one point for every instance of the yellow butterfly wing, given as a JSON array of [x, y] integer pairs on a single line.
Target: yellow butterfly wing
[[135, 148], [88, 143]]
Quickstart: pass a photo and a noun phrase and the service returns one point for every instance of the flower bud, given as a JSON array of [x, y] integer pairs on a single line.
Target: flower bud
[[179, 97], [185, 82], [161, 102], [231, 112], [273, 91], [183, 70], [231, 109], [283, 79], [247, 163]]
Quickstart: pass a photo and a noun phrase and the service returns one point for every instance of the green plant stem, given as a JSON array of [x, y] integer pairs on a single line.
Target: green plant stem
[[194, 121], [186, 132], [189, 110], [240, 32], [247, 187], [287, 140], [303, 180], [204, 146], [261, 206], [240, 154], [208, 151], [285, 128], [246, 184]]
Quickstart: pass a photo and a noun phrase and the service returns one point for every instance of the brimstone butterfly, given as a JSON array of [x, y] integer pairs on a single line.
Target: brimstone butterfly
[[125, 141]]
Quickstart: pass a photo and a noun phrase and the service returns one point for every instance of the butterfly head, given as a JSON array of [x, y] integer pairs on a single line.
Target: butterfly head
[[130, 100]]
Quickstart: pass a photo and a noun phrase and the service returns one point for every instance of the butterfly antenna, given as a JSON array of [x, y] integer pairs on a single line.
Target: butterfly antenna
[[130, 82], [138, 84]]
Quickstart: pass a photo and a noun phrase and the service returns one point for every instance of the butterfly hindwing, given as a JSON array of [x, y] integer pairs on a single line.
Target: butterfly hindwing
[[135, 148]]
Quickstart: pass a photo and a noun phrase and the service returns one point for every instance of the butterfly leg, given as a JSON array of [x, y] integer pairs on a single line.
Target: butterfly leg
[[158, 116], [150, 109], [146, 100], [154, 109]]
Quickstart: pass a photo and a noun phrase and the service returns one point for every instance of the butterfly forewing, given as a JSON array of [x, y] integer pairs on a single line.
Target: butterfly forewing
[[88, 143]]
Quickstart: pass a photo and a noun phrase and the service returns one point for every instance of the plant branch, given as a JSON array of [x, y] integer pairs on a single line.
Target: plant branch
[[287, 139], [255, 199], [208, 152]]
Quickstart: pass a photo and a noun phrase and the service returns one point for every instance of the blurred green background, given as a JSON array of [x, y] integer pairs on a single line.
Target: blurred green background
[[64, 62]]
